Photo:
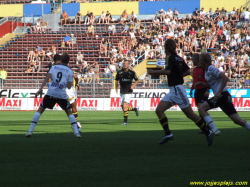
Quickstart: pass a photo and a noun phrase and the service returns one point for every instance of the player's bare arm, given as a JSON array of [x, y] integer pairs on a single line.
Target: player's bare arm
[[44, 82], [69, 85], [116, 86], [159, 72], [77, 81]]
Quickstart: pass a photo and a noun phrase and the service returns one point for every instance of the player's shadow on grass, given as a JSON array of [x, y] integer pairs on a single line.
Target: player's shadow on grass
[[124, 158]]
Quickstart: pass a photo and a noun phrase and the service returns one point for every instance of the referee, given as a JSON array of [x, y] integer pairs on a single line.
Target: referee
[[125, 77]]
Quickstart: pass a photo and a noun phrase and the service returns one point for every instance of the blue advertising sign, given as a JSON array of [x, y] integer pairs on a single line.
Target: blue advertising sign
[[239, 93], [161, 62]]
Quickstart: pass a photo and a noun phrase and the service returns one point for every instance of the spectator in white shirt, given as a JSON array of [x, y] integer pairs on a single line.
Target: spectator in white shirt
[[166, 20], [102, 18], [156, 20], [162, 14], [133, 17], [202, 12], [79, 58], [111, 29], [170, 13]]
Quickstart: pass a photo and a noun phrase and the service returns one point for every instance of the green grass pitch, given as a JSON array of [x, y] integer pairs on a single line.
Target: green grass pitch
[[111, 155]]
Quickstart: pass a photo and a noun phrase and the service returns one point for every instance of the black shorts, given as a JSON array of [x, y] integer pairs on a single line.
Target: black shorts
[[49, 102], [199, 96], [224, 102]]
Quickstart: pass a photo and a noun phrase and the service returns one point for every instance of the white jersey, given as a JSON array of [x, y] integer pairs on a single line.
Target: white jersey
[[61, 75], [213, 79]]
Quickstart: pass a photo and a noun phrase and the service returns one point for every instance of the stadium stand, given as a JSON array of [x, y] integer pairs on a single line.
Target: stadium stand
[[206, 35]]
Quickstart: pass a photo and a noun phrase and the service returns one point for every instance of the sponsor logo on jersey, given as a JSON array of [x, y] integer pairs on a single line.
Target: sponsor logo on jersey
[[126, 80], [57, 85]]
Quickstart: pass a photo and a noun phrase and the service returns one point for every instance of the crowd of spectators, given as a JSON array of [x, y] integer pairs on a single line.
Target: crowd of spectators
[[222, 33], [37, 55]]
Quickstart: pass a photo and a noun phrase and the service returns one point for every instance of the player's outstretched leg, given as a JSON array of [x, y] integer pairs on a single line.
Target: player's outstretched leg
[[136, 109], [73, 122], [34, 121], [207, 118], [200, 123], [161, 108], [239, 121]]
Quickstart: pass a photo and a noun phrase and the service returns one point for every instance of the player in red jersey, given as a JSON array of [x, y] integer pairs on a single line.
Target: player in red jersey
[[201, 93]]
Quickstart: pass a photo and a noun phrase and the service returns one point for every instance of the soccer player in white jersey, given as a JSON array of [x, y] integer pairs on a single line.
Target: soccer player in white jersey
[[217, 81], [61, 78]]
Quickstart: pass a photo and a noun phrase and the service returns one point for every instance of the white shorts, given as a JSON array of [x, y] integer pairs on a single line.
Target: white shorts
[[177, 96], [71, 94], [125, 98]]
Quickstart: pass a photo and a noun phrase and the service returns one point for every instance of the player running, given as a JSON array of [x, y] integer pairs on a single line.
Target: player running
[[61, 78], [125, 77], [72, 94], [217, 81], [201, 92], [176, 69]]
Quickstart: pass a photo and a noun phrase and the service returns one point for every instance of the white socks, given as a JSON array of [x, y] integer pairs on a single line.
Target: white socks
[[247, 126], [35, 120], [72, 120], [210, 123]]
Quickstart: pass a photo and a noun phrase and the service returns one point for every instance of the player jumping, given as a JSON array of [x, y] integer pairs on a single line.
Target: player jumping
[[61, 78], [176, 69], [217, 81], [125, 77]]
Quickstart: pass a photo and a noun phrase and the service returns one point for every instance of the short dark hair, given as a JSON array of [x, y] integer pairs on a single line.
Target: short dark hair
[[65, 58], [195, 56], [170, 46], [57, 57]]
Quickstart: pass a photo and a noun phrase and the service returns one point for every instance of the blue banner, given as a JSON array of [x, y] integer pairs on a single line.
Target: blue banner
[[161, 62], [236, 93]]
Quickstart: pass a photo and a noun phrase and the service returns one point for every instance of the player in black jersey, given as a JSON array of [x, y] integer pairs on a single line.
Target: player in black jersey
[[176, 69], [125, 77]]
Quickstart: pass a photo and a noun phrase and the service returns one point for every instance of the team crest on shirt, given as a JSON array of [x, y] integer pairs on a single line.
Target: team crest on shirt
[[199, 76], [211, 69]]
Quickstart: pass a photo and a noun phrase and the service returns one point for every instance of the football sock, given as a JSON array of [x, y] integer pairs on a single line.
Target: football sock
[[202, 125], [76, 115], [72, 120], [164, 124], [131, 108], [34, 121], [125, 115], [247, 126], [209, 122]]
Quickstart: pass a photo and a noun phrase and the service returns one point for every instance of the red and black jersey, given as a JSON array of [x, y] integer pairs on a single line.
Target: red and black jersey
[[198, 76]]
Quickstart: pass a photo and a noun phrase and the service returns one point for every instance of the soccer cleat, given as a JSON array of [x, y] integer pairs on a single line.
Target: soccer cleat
[[78, 135], [80, 130], [28, 134], [210, 138], [137, 111], [216, 132], [79, 127], [166, 138], [124, 123]]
